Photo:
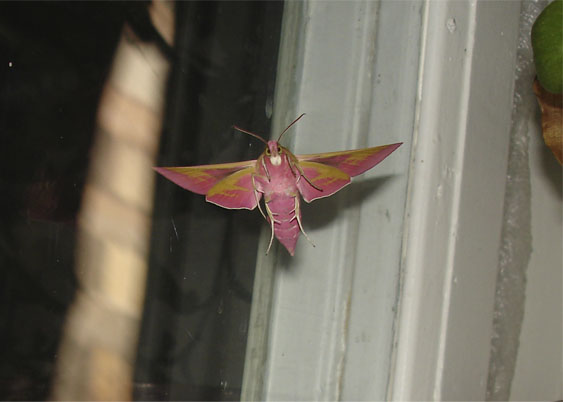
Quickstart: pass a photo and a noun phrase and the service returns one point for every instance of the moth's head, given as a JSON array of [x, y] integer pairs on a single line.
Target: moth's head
[[274, 151]]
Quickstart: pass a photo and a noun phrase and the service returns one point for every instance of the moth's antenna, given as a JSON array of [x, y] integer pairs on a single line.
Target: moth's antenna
[[292, 123], [250, 133]]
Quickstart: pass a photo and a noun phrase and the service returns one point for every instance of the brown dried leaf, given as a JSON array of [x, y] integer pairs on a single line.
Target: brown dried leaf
[[551, 119]]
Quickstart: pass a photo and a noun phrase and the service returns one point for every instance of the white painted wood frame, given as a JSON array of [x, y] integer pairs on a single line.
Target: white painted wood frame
[[395, 301], [456, 195]]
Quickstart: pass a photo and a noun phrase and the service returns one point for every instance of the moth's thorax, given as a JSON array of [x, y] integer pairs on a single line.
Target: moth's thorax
[[274, 166]]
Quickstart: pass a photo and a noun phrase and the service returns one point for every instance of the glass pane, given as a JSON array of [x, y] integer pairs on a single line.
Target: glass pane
[[54, 61], [203, 257]]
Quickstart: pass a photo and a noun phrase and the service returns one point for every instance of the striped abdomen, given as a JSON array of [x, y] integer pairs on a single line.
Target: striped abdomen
[[283, 208]]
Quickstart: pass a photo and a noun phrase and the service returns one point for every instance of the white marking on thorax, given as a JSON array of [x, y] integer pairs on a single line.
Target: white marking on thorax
[[276, 160]]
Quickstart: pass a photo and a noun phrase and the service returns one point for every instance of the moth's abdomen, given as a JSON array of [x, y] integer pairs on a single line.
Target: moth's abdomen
[[286, 227]]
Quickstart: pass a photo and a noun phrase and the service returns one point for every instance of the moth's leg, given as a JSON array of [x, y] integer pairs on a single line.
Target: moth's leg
[[256, 191], [272, 220], [270, 212], [297, 216], [302, 174], [292, 167], [265, 169], [296, 173], [260, 209]]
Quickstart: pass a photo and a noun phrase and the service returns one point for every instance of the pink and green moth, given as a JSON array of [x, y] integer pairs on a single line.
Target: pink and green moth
[[280, 178]]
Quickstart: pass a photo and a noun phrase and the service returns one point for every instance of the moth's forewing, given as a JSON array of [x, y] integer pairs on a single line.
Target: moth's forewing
[[235, 191], [200, 179], [353, 162]]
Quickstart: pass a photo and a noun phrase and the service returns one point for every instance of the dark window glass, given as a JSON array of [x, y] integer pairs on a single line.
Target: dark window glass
[[54, 61], [203, 257]]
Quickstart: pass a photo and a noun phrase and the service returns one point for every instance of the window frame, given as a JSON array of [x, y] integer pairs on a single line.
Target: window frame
[[427, 310]]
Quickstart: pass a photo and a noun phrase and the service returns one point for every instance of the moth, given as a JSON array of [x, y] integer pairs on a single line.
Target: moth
[[280, 178]]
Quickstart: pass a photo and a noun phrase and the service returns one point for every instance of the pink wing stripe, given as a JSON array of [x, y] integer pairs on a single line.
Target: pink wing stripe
[[352, 162], [329, 179], [200, 179], [235, 191]]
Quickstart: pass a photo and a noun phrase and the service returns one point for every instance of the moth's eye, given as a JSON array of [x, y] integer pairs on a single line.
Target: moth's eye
[[268, 151], [279, 150]]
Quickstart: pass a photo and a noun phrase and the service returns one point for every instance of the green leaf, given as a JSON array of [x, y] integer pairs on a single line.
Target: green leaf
[[547, 42]]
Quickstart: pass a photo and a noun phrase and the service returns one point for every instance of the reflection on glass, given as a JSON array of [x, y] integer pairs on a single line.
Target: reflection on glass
[[56, 63], [202, 257]]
